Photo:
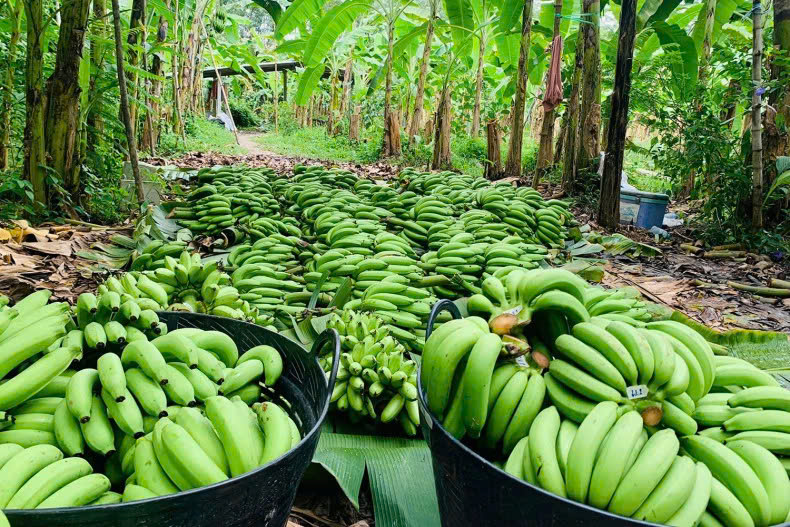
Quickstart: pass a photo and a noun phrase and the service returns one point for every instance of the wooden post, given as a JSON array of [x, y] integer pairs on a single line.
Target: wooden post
[[221, 89], [609, 205], [757, 132], [131, 143], [285, 86]]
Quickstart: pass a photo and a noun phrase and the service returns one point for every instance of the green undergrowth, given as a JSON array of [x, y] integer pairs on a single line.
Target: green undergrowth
[[202, 135], [468, 154]]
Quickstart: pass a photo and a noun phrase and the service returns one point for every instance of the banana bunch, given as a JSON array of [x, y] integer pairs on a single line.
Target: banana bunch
[[617, 304], [115, 317], [275, 249], [40, 477], [35, 349], [374, 381], [186, 284], [405, 309], [511, 303], [153, 254], [229, 196]]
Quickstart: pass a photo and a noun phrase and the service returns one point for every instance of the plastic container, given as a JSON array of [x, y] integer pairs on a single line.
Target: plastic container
[[472, 491], [262, 497], [643, 209]]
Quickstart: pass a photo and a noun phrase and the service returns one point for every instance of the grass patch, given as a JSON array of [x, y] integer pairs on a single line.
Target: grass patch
[[202, 135]]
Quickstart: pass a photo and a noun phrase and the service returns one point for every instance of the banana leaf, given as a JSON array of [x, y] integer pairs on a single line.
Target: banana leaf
[[399, 470], [765, 349]]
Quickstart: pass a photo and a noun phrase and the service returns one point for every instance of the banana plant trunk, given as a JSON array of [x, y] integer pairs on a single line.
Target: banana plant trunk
[[63, 96], [757, 138], [347, 77], [609, 204], [35, 141], [15, 19], [493, 168], [441, 146], [513, 164], [588, 149], [479, 85], [178, 120], [391, 146], [571, 141], [416, 121], [151, 126], [777, 140], [545, 153], [98, 49]]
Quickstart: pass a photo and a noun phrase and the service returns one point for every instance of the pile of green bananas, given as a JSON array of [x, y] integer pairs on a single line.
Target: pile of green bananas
[[174, 413], [375, 381], [229, 196], [627, 388], [33, 351], [183, 284]]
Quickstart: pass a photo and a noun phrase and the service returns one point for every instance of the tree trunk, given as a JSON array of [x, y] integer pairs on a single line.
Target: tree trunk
[[609, 205], [354, 125], [416, 120], [136, 28], [776, 139], [441, 145], [588, 150], [545, 153], [131, 143], [479, 85], [151, 129], [428, 132], [98, 49], [493, 169], [391, 146], [15, 19], [574, 106], [513, 165], [63, 96], [35, 150], [757, 137]]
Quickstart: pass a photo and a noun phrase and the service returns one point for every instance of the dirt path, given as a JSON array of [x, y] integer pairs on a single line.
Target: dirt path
[[248, 142]]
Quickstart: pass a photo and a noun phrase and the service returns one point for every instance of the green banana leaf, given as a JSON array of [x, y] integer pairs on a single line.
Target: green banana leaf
[[765, 349], [337, 20], [308, 81], [399, 470], [722, 15], [297, 14]]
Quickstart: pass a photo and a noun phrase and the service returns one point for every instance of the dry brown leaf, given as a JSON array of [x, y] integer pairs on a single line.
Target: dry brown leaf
[[62, 248]]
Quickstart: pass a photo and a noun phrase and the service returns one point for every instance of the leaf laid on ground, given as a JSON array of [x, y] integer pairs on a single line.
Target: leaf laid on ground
[[400, 473]]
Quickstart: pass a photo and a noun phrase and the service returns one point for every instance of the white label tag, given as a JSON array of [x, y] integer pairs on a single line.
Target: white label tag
[[521, 360], [636, 392], [513, 311]]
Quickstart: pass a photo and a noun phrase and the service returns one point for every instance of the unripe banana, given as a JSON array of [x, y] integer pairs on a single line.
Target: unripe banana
[[585, 447], [111, 375]]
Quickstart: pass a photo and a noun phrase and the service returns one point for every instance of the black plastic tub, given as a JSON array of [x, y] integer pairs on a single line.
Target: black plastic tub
[[472, 491], [262, 497]]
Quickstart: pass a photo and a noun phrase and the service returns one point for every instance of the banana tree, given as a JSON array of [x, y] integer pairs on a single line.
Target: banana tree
[[14, 10], [325, 33]]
